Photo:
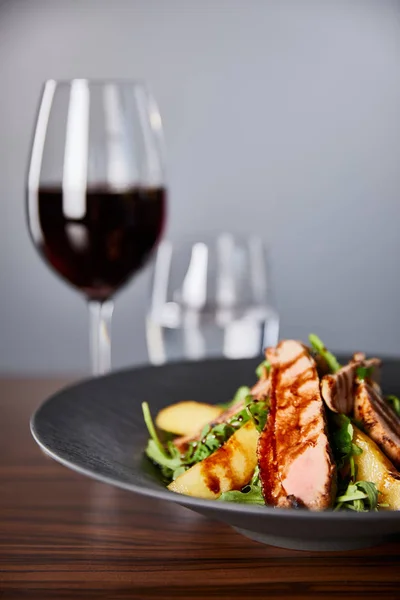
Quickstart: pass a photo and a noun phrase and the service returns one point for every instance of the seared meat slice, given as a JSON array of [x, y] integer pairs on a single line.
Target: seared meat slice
[[338, 389], [379, 420], [294, 456], [259, 391]]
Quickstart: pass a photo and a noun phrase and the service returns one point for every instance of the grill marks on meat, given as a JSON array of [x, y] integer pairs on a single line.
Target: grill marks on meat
[[297, 469], [343, 393], [294, 456], [338, 390], [379, 420]]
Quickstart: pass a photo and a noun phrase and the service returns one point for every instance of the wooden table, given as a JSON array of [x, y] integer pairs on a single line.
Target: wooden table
[[65, 536]]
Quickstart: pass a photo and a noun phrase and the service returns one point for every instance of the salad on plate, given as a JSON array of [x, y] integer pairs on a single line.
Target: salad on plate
[[310, 434]]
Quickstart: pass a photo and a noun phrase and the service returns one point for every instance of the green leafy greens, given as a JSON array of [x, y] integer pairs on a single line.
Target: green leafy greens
[[172, 463], [342, 442], [319, 347], [249, 494], [364, 372], [359, 496], [258, 411], [166, 457], [265, 365], [152, 430], [212, 438], [394, 402]]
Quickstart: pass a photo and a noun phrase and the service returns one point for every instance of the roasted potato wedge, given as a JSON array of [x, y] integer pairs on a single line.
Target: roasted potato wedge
[[187, 417], [373, 465], [229, 468]]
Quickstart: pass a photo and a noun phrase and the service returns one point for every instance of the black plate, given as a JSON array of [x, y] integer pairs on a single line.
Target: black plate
[[96, 428]]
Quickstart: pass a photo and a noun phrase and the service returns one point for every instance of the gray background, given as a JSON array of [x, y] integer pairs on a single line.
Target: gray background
[[280, 117]]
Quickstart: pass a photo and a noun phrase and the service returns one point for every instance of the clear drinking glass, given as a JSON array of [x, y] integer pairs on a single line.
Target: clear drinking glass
[[210, 297], [96, 191]]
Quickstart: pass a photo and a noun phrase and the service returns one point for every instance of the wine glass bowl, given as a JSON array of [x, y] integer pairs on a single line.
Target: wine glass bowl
[[211, 296], [96, 190], [99, 252]]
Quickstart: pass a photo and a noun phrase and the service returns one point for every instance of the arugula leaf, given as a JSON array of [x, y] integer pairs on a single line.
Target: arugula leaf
[[372, 493], [265, 365], [168, 457], [352, 493], [213, 438], [356, 450], [394, 402], [361, 496], [249, 494], [151, 429], [258, 411], [342, 441], [170, 466], [255, 480], [364, 372], [319, 347]]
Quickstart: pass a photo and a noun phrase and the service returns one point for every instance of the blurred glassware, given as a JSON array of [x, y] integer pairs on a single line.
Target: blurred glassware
[[210, 297], [95, 191]]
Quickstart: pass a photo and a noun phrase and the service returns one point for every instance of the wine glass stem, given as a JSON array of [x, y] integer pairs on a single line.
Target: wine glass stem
[[100, 335]]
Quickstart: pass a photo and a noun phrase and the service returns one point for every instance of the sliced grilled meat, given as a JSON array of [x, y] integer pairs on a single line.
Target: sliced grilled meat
[[338, 389], [296, 464], [378, 419]]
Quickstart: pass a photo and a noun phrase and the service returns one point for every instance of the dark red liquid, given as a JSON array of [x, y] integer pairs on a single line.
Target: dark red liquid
[[101, 251]]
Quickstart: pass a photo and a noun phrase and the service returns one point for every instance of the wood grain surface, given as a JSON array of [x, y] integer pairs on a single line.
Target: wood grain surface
[[65, 536]]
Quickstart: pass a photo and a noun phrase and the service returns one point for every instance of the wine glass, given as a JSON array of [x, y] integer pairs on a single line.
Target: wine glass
[[211, 296], [96, 191]]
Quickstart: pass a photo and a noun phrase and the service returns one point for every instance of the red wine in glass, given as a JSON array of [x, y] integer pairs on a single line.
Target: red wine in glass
[[100, 251], [96, 191]]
